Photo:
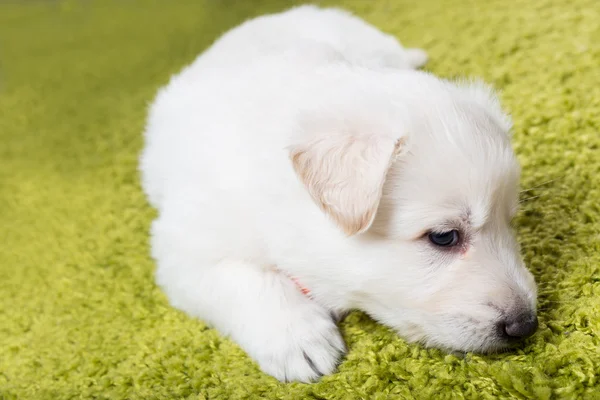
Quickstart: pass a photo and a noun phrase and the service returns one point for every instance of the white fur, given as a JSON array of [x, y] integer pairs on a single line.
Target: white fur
[[264, 159]]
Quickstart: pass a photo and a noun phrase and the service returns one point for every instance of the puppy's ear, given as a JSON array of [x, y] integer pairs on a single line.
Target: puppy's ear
[[345, 175]]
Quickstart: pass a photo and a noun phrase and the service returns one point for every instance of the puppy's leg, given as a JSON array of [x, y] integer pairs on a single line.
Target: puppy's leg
[[290, 336]]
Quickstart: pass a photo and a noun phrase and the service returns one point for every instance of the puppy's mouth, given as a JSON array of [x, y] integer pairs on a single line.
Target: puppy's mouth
[[502, 333], [508, 334]]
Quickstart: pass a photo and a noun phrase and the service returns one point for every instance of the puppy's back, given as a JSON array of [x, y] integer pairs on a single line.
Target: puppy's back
[[318, 34]]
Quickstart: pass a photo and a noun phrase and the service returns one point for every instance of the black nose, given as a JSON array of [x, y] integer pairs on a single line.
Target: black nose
[[520, 326]]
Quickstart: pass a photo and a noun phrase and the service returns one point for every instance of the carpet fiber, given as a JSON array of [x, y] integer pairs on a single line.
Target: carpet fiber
[[80, 315]]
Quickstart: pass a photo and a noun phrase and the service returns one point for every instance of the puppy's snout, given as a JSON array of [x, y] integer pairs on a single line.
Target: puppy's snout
[[519, 326]]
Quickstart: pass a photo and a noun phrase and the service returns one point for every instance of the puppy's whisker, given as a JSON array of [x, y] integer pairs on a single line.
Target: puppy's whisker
[[529, 198], [544, 299], [550, 291], [541, 184], [558, 302]]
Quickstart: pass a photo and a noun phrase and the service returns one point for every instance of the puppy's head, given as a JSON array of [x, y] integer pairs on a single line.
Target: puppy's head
[[429, 206]]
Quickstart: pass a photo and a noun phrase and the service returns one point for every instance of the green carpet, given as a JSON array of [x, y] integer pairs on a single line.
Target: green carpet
[[80, 315]]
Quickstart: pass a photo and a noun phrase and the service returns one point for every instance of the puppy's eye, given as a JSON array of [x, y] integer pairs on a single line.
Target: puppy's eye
[[445, 239]]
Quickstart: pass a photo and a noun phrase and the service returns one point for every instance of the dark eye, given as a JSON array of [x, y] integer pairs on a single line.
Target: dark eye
[[444, 239]]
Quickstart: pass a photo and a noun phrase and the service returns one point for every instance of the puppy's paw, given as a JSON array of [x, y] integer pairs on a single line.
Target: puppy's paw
[[307, 347]]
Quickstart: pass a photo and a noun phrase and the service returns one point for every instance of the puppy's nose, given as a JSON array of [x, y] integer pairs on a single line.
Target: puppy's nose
[[520, 326]]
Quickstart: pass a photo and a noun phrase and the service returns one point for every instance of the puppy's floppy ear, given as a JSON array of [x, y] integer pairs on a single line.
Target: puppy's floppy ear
[[345, 174]]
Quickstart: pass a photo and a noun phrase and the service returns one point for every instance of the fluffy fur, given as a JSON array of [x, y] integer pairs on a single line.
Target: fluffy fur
[[305, 145]]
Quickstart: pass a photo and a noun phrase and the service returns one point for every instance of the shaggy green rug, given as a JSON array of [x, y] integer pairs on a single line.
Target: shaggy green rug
[[80, 315]]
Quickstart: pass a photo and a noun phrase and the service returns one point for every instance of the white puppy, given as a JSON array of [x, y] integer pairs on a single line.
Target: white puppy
[[302, 150]]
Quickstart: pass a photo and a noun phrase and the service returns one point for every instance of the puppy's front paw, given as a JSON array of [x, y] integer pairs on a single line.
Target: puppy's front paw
[[308, 346]]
